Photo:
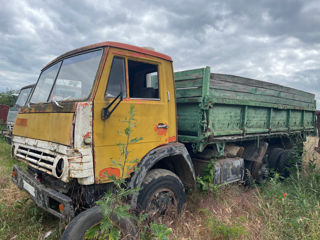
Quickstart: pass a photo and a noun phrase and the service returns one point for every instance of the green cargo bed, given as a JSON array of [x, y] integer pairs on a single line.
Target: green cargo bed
[[215, 108]]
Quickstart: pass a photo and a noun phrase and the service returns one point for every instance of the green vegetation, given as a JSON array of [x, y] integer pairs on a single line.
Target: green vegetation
[[8, 98], [205, 183], [291, 207], [221, 230]]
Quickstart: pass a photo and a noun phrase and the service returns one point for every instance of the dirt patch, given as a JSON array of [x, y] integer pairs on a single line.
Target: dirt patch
[[4, 181]]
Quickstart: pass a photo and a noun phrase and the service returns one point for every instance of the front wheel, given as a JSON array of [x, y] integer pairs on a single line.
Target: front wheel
[[77, 228], [162, 190]]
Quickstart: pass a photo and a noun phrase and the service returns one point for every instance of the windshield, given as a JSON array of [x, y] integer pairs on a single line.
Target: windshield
[[74, 81], [76, 77], [23, 96], [44, 85]]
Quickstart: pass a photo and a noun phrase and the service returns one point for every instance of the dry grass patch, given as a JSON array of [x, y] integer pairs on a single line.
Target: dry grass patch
[[309, 154], [231, 214]]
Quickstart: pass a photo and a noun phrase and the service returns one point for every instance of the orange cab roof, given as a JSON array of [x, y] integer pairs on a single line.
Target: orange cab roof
[[116, 45]]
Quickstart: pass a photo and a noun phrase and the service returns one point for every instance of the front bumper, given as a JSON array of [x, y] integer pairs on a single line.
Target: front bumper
[[46, 198]]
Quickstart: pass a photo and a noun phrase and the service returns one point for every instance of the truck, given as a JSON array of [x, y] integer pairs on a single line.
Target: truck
[[4, 109], [68, 136], [22, 99]]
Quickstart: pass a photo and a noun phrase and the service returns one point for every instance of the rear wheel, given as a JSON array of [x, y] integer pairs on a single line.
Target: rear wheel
[[274, 156], [161, 190], [287, 162], [283, 160]]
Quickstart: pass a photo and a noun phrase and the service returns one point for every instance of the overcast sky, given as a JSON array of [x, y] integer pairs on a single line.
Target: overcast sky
[[272, 40]]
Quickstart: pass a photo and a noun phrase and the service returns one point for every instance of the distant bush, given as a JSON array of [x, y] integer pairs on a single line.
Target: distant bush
[[8, 97]]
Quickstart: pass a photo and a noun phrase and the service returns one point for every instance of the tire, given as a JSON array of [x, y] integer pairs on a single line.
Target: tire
[[283, 164], [282, 160], [161, 190], [287, 162], [274, 156], [77, 228]]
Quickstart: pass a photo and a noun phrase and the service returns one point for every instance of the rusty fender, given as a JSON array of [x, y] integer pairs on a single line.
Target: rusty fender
[[187, 175]]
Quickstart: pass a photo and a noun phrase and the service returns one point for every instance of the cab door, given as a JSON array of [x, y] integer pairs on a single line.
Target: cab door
[[129, 80]]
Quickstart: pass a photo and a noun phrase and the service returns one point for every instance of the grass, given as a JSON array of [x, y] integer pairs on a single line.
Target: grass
[[290, 208], [280, 209]]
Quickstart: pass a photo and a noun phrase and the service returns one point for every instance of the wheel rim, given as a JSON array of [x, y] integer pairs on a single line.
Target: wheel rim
[[161, 201], [260, 171]]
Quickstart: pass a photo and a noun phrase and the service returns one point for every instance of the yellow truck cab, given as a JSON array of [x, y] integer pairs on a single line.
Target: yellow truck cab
[[68, 132]]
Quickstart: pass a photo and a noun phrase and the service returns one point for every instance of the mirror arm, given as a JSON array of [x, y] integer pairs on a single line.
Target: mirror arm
[[57, 104], [106, 113]]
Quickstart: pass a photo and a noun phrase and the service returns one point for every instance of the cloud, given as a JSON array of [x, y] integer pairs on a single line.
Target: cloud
[[271, 40]]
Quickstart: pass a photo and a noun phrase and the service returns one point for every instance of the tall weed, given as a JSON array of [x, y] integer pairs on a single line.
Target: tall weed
[[291, 208]]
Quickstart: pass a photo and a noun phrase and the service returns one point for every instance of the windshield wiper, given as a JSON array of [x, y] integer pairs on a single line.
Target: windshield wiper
[[105, 114]]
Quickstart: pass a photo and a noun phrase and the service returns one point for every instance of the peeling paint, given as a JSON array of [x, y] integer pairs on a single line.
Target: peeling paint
[[22, 122], [84, 104], [74, 107], [109, 172], [172, 139], [78, 161], [87, 135], [160, 131]]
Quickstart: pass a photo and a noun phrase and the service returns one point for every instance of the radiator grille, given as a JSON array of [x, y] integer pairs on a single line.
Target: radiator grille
[[36, 158]]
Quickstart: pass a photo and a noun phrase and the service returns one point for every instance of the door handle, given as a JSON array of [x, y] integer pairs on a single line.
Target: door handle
[[161, 125]]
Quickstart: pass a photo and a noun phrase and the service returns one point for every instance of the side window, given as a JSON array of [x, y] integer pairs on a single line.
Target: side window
[[143, 80], [117, 79]]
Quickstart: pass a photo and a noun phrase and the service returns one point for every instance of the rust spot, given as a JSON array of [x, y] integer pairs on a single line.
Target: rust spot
[[132, 54], [134, 101], [160, 131], [74, 107], [130, 171], [22, 122], [172, 139], [84, 104], [109, 172], [86, 135]]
